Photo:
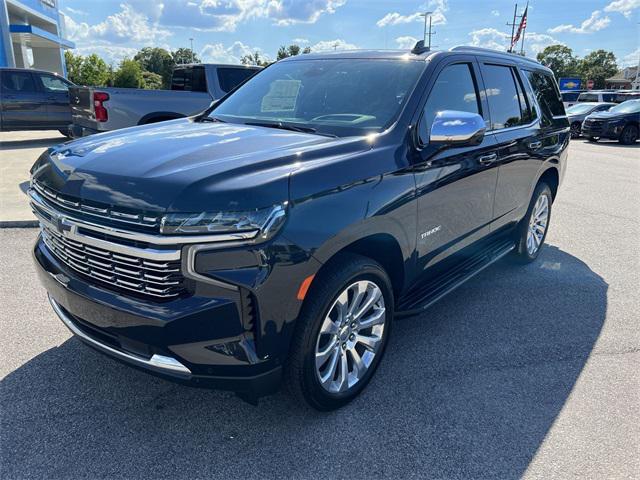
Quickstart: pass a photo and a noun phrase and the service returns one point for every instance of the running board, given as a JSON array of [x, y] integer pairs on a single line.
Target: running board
[[424, 295]]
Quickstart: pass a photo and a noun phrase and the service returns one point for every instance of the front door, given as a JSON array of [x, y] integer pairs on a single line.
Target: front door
[[455, 186], [23, 104], [56, 92]]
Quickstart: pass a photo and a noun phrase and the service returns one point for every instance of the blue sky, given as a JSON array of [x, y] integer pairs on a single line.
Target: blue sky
[[225, 30]]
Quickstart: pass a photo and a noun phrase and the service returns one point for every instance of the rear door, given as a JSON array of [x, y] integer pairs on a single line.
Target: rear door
[[516, 128], [455, 186], [23, 103], [56, 92]]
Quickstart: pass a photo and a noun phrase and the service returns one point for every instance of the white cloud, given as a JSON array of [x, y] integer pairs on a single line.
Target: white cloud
[[300, 41], [76, 11], [406, 42], [327, 45], [438, 8], [127, 25], [112, 55], [592, 24], [625, 7], [226, 15], [498, 40], [495, 13], [219, 53], [632, 59]]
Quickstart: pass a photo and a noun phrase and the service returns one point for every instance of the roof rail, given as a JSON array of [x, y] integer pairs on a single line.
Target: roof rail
[[469, 48]]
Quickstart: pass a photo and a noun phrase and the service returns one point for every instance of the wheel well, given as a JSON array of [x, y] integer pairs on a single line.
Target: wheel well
[[155, 118], [551, 178], [384, 249]]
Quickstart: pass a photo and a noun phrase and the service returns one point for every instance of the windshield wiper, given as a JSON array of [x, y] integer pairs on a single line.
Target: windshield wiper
[[289, 126], [212, 119]]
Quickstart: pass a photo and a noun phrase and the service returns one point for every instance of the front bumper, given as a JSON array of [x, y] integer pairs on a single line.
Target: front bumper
[[601, 129], [194, 340]]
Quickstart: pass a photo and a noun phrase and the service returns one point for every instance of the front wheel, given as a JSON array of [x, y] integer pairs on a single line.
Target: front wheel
[[629, 135], [532, 231], [575, 129], [341, 333]]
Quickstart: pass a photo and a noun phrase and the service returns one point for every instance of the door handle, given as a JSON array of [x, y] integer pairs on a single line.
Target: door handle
[[535, 145], [488, 159]]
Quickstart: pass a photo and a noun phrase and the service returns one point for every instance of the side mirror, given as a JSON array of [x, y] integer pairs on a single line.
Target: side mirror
[[455, 129]]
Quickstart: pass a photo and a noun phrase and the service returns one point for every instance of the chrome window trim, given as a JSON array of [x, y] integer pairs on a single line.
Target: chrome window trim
[[156, 362], [517, 127], [139, 236]]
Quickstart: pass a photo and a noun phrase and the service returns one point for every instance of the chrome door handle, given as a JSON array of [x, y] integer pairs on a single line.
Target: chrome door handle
[[488, 159], [535, 145]]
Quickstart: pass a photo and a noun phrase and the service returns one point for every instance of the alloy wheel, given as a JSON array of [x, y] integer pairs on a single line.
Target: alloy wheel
[[350, 336], [537, 224]]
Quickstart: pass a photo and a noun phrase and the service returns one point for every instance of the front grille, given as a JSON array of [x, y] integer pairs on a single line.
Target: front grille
[[83, 208], [147, 277]]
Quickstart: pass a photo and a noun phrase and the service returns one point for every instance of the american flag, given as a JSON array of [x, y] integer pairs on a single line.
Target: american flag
[[521, 28]]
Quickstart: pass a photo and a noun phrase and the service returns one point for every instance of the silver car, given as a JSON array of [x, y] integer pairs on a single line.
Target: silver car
[[578, 112]]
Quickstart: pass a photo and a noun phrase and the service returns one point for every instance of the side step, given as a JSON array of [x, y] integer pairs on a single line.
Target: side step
[[423, 295]]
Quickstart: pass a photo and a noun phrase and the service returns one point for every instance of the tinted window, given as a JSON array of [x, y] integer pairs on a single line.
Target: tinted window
[[547, 95], [229, 78], [570, 96], [505, 97], [334, 96], [455, 89], [17, 82], [608, 97], [191, 79], [53, 84], [588, 97]]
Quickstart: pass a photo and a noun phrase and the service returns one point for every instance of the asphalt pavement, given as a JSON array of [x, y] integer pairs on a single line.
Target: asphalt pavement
[[527, 372]]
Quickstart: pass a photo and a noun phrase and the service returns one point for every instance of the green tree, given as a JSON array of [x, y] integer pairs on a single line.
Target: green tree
[[91, 70], [598, 66], [254, 59], [156, 60], [560, 60], [290, 51], [185, 55], [129, 75], [151, 81]]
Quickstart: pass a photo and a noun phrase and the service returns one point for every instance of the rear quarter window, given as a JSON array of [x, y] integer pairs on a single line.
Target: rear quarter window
[[547, 94]]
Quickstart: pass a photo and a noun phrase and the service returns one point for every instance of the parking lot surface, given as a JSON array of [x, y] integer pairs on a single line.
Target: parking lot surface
[[527, 372]]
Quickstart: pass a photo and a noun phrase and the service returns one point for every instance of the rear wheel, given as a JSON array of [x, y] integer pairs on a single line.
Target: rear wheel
[[629, 135], [341, 333], [532, 231], [66, 132]]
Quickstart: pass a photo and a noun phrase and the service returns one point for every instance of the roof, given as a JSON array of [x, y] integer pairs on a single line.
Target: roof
[[32, 70], [408, 55], [625, 75]]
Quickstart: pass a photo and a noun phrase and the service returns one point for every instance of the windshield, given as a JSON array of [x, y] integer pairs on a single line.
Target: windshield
[[339, 97], [580, 108], [588, 97], [630, 106]]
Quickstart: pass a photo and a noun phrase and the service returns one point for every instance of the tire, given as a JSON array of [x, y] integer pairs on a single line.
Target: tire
[[575, 129], [303, 377], [593, 139], [65, 132], [629, 135], [528, 244]]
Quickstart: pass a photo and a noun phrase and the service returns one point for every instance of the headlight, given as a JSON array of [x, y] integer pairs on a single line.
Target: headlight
[[263, 222]]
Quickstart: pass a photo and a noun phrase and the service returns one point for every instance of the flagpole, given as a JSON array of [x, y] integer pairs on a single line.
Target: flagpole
[[526, 12]]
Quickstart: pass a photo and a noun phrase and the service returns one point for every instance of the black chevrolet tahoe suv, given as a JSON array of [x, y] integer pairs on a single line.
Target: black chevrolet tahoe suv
[[280, 233]]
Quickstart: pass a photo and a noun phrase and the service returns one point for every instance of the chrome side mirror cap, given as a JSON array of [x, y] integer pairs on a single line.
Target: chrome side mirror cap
[[454, 128]]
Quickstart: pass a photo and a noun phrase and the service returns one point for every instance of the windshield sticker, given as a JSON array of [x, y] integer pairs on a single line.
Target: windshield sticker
[[282, 96]]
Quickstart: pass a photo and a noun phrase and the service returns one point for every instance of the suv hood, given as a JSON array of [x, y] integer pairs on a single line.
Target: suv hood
[[180, 165], [609, 115]]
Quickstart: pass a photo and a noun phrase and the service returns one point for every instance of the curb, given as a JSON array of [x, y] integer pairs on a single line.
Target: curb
[[19, 224]]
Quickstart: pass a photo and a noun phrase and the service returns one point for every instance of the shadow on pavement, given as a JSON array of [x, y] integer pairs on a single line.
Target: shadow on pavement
[[608, 143], [467, 390], [29, 143]]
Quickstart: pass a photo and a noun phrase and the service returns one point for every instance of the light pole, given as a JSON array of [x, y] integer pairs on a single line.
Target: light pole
[[192, 58], [425, 15]]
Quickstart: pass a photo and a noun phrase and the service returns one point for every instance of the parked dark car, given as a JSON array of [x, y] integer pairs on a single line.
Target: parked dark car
[[34, 100], [281, 232], [578, 112], [621, 123]]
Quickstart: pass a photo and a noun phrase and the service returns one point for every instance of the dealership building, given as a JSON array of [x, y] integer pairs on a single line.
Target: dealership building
[[32, 35]]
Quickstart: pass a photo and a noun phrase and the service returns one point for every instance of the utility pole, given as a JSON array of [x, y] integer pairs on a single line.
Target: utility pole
[[192, 57], [513, 27]]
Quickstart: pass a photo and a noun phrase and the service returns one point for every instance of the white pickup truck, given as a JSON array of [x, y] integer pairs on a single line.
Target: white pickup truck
[[193, 88]]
